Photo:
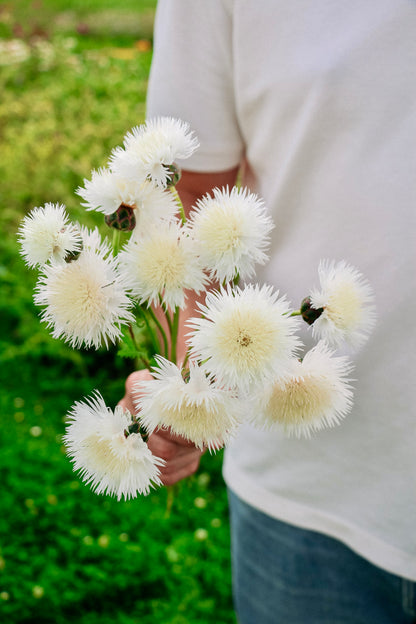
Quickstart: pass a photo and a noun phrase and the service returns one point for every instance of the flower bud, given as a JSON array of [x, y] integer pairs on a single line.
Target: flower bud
[[122, 219], [309, 314]]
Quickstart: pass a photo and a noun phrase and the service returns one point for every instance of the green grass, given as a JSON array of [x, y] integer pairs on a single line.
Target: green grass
[[67, 555]]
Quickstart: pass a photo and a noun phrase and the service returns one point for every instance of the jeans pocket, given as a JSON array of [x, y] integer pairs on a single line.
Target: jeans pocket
[[409, 597]]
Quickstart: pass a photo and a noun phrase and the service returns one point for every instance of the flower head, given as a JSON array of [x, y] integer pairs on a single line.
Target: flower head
[[85, 301], [153, 204], [347, 301], [91, 240], [232, 231], [244, 335], [111, 460], [107, 191], [46, 234], [151, 148], [197, 409], [163, 261], [315, 393]]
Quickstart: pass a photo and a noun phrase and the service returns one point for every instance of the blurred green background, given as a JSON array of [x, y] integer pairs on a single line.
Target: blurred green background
[[73, 77]]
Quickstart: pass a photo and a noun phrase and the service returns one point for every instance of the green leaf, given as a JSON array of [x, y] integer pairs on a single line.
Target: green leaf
[[135, 344]]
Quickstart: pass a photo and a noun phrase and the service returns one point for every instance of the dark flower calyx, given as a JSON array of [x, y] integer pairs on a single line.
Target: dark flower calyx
[[122, 219], [133, 428], [308, 312], [73, 255], [174, 174]]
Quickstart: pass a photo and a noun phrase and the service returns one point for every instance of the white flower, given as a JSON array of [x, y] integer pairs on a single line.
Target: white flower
[[232, 231], [153, 204], [244, 335], [107, 191], [347, 301], [315, 393], [151, 148], [111, 461], [199, 410], [91, 239], [45, 234], [85, 301], [162, 262]]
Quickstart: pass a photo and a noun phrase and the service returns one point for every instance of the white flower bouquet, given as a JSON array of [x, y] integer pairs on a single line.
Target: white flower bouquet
[[244, 355]]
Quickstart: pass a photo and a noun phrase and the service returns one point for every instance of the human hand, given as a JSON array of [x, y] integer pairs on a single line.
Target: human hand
[[181, 456]]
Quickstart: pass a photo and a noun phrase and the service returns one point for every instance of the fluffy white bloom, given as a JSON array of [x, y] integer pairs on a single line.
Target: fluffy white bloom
[[46, 234], [347, 301], [111, 461], [91, 239], [85, 301], [107, 191], [149, 149], [162, 262], [315, 393], [244, 335], [198, 409], [153, 203], [232, 231]]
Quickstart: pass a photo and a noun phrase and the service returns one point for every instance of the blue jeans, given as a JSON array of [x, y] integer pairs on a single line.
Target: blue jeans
[[286, 575]]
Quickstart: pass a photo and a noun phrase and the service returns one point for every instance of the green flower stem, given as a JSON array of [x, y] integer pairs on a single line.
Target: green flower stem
[[295, 313], [140, 358], [162, 332], [145, 313], [166, 313], [178, 203], [171, 490], [232, 283], [174, 335], [116, 241], [185, 362]]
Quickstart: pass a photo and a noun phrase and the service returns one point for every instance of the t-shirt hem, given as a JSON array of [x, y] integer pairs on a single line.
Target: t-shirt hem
[[364, 544], [209, 163]]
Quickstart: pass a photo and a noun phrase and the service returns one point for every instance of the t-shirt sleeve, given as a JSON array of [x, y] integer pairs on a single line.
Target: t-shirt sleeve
[[191, 78]]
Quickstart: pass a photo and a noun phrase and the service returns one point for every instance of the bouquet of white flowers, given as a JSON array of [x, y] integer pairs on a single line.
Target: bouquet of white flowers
[[244, 357]]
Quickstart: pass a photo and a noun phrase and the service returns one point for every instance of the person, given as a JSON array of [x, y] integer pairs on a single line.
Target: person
[[313, 104]]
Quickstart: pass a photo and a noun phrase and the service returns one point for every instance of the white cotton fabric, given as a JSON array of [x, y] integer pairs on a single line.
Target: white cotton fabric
[[320, 99]]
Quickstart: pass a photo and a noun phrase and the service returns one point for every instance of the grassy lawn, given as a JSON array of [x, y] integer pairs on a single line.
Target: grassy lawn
[[73, 78]]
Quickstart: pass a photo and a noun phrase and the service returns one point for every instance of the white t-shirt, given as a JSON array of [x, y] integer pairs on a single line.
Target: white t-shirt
[[320, 99]]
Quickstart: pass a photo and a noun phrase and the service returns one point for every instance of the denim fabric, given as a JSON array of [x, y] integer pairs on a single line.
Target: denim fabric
[[286, 575]]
